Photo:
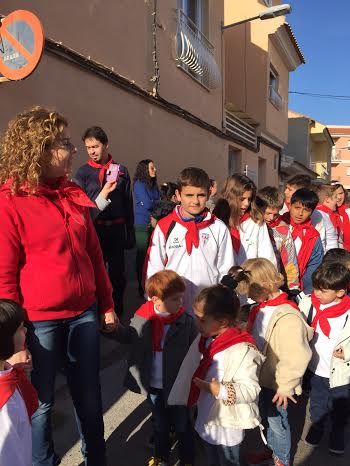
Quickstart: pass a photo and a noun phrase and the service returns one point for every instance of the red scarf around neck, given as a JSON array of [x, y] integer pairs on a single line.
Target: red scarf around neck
[[278, 301], [192, 234], [275, 222], [236, 234], [345, 226], [147, 312], [331, 312], [103, 168], [71, 196], [308, 236], [232, 336], [17, 379], [334, 216]]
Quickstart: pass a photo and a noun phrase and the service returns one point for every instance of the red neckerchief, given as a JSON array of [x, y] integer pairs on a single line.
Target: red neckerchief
[[345, 226], [334, 216], [331, 312], [278, 301], [17, 379], [192, 234], [147, 312], [308, 235], [103, 168], [236, 234], [230, 337], [275, 222], [71, 196]]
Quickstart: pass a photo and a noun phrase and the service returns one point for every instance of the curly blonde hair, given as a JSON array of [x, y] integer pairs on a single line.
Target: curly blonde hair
[[24, 147]]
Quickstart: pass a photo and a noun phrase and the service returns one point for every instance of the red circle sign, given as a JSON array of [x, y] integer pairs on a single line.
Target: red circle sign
[[21, 44]]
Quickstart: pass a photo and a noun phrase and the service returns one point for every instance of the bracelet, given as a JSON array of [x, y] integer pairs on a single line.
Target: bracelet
[[231, 393]]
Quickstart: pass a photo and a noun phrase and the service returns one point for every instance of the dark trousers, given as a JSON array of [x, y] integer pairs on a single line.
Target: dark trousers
[[74, 343], [221, 455], [142, 234], [163, 418], [112, 240], [326, 401]]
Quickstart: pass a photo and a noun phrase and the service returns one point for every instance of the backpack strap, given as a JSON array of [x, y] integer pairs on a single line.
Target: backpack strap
[[166, 225], [309, 316]]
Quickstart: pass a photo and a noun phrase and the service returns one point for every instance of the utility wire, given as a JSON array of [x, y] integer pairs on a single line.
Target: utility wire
[[322, 96]]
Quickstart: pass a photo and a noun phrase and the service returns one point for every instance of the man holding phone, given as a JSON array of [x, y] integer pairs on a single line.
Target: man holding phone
[[107, 183]]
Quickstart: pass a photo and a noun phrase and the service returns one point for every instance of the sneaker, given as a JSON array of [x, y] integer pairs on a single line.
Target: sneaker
[[261, 457], [336, 443], [313, 437]]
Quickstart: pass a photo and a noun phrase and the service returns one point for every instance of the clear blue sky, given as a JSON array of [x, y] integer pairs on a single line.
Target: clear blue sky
[[322, 29]]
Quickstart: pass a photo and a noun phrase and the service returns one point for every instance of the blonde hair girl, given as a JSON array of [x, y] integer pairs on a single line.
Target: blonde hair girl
[[249, 234]]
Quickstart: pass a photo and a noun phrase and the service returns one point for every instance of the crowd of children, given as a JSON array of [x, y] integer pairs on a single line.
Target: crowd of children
[[209, 373]]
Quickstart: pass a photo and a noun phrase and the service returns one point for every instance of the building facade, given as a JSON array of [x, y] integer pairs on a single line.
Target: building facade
[[158, 77], [340, 161]]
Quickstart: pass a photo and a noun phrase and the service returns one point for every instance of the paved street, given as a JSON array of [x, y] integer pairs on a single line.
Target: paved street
[[127, 417]]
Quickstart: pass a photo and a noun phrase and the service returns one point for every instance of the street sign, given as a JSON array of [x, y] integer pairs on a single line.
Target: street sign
[[21, 44]]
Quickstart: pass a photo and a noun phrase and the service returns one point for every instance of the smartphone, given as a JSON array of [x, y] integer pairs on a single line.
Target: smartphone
[[113, 172]]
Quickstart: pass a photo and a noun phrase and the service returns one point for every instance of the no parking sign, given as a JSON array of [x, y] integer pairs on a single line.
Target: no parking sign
[[21, 44]]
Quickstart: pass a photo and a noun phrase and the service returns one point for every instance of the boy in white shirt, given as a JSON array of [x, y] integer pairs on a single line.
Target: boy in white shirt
[[191, 240], [328, 311], [325, 218]]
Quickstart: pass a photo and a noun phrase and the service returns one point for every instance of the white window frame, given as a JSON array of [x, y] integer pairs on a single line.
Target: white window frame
[[199, 19], [347, 171]]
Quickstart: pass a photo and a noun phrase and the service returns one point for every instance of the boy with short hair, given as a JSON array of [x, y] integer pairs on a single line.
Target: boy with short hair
[[328, 311], [294, 183], [305, 236], [325, 218], [160, 334], [337, 255], [270, 200], [191, 240]]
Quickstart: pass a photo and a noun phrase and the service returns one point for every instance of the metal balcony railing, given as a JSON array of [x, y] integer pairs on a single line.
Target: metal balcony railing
[[195, 54], [275, 98], [239, 129]]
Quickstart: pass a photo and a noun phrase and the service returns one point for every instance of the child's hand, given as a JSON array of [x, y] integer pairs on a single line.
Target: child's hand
[[280, 399], [212, 387], [339, 353]]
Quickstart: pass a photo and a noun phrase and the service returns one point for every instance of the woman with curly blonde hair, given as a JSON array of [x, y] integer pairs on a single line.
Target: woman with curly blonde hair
[[236, 207], [52, 265]]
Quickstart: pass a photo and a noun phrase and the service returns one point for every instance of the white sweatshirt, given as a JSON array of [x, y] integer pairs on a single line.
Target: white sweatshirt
[[255, 242], [328, 234], [15, 431], [206, 265]]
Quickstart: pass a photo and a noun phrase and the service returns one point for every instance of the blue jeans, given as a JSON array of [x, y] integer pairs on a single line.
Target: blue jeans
[[75, 344], [221, 455], [326, 401], [278, 430], [163, 419]]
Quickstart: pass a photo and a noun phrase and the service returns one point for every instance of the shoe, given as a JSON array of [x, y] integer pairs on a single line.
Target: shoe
[[336, 443], [278, 462], [313, 437], [261, 457], [156, 462]]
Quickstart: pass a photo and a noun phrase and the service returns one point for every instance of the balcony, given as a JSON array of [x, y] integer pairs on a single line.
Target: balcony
[[241, 130], [195, 54], [275, 98]]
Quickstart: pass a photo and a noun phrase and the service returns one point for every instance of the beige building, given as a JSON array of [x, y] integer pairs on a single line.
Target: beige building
[[310, 143], [340, 161], [160, 78]]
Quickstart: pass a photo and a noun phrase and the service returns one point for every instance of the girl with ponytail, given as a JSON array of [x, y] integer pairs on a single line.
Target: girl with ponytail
[[220, 374]]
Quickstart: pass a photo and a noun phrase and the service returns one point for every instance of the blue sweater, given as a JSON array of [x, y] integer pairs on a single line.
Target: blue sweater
[[144, 199], [314, 262]]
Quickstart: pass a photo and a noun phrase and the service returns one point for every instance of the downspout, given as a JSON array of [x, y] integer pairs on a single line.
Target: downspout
[[156, 75]]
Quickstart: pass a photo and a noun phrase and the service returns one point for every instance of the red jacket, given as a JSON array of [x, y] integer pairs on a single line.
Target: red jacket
[[50, 258]]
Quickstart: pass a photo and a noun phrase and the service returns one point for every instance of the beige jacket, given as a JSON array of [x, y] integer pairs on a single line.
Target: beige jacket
[[287, 351], [241, 366]]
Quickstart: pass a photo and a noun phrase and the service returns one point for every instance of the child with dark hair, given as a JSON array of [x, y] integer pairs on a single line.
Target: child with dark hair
[[270, 200], [294, 183], [220, 375], [166, 203], [328, 311], [338, 256], [272, 322], [18, 398], [160, 334], [306, 238], [191, 240]]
